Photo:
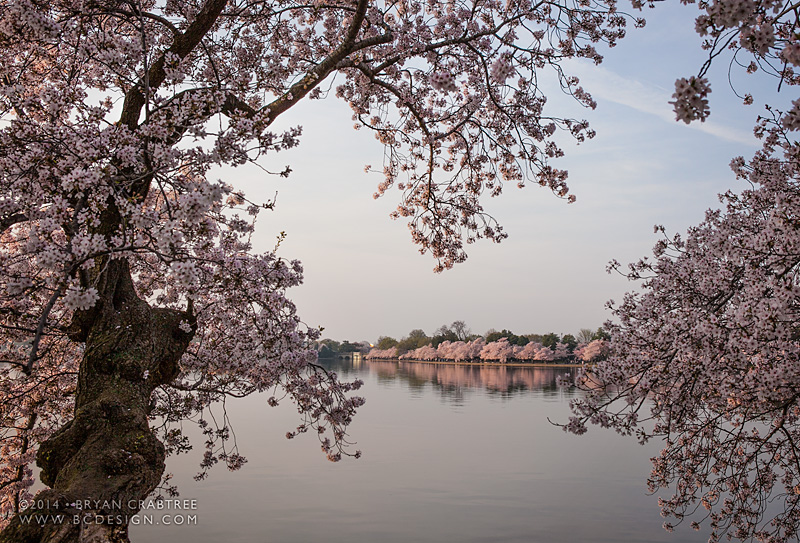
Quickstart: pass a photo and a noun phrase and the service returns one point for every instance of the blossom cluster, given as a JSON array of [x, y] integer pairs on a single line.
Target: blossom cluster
[[443, 81], [501, 70], [691, 102]]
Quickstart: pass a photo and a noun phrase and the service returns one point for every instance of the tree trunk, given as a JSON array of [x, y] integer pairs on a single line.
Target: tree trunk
[[103, 462]]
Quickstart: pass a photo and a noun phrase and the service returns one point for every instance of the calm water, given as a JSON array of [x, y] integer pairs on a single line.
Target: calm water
[[451, 454]]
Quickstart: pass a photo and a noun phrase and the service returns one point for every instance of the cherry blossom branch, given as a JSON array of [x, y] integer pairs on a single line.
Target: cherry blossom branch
[[315, 76], [181, 46], [33, 357]]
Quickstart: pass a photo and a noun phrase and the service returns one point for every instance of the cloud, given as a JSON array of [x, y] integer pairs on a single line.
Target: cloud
[[604, 84]]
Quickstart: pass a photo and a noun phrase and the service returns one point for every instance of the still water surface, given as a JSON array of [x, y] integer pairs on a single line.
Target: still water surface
[[451, 454]]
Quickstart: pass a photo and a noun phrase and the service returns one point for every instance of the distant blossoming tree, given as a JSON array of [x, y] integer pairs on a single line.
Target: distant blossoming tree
[[494, 351], [500, 350], [706, 357], [382, 353], [470, 350], [544, 354], [426, 352], [592, 351], [561, 352], [529, 350]]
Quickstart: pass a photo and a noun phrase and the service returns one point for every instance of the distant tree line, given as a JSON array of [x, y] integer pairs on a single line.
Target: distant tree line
[[458, 331], [329, 348], [457, 342]]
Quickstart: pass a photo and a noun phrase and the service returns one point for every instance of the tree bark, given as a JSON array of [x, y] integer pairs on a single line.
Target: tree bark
[[106, 460]]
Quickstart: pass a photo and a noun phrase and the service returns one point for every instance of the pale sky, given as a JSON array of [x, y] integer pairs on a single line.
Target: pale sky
[[364, 278]]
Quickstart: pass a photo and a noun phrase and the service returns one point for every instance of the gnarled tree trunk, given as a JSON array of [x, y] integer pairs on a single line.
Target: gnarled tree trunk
[[103, 462]]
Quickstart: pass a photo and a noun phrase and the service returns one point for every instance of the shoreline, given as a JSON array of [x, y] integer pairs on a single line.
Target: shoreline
[[492, 364]]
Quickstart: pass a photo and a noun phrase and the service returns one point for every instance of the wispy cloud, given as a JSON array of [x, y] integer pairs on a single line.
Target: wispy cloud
[[604, 84]]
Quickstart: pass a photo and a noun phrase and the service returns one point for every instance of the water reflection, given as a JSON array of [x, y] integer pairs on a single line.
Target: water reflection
[[453, 381], [451, 453]]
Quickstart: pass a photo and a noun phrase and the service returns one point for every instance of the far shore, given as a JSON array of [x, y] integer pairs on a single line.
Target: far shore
[[485, 363]]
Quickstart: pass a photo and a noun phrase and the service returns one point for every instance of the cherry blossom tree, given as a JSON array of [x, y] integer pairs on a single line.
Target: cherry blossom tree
[[427, 353], [529, 350], [500, 351], [544, 354], [470, 350], [705, 357], [382, 353], [445, 350], [129, 291], [561, 352], [592, 351]]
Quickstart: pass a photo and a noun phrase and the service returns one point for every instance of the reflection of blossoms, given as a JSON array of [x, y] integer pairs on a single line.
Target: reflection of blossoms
[[690, 99]]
